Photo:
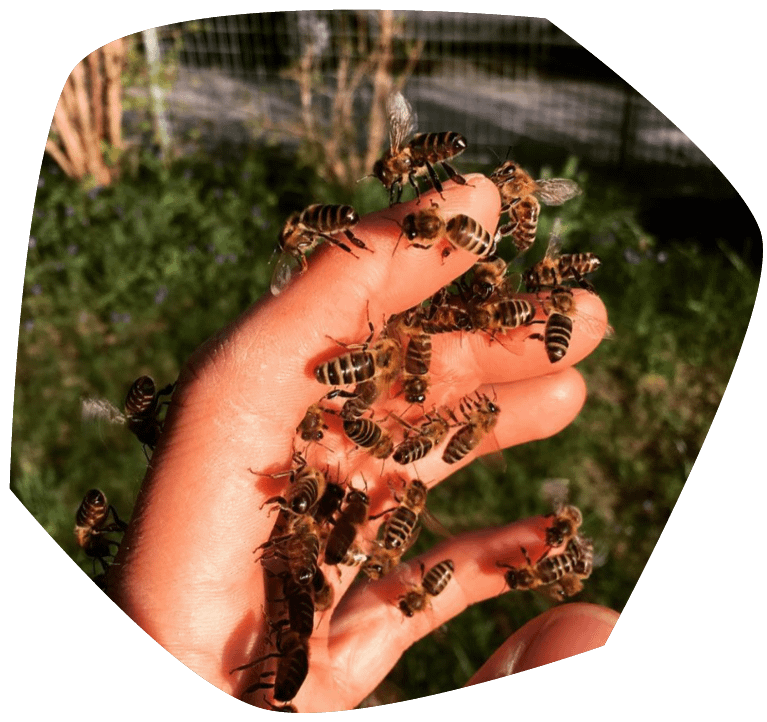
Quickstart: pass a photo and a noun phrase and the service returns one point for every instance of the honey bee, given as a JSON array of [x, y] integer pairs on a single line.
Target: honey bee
[[382, 560], [561, 311], [313, 424], [329, 503], [567, 521], [306, 229], [401, 530], [292, 668], [399, 527], [443, 315], [344, 532], [92, 523], [499, 313], [307, 487], [556, 268], [487, 275], [404, 161], [426, 437], [415, 380], [369, 435], [299, 548], [562, 574], [383, 359], [427, 225], [433, 583], [464, 232], [521, 197], [481, 416], [141, 410]]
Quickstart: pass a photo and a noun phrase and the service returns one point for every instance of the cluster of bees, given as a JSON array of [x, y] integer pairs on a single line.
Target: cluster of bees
[[323, 521]]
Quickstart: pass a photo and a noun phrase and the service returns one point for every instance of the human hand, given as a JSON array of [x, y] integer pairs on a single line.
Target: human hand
[[185, 571]]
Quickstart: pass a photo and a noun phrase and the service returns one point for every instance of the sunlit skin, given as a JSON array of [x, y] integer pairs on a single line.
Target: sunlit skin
[[186, 572]]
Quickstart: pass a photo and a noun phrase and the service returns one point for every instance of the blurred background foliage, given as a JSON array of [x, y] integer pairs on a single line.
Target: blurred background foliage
[[128, 279]]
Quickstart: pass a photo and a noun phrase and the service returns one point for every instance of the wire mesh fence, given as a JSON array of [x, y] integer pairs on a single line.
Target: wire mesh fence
[[502, 81]]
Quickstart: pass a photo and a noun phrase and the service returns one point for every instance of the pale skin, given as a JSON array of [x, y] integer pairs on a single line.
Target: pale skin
[[186, 572]]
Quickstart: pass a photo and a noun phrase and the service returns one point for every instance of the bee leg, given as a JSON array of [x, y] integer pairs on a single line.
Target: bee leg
[[411, 180], [122, 526], [356, 241], [257, 661], [583, 283], [378, 516], [395, 192], [434, 178], [259, 685], [453, 174], [337, 243]]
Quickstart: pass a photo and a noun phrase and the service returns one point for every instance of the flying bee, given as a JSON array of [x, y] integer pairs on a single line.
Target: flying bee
[[313, 424], [464, 232], [307, 487], [382, 358], [303, 231], [426, 437], [292, 668], [92, 523], [299, 548], [369, 435], [521, 198], [404, 161], [561, 311], [556, 268], [432, 584], [344, 532], [481, 416], [141, 413]]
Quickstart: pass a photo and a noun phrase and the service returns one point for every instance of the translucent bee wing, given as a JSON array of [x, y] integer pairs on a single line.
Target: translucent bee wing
[[434, 525], [554, 247], [95, 409], [592, 326], [284, 270], [555, 191], [402, 120], [555, 492]]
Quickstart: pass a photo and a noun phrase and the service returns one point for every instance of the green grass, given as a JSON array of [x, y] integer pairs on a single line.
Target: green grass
[[131, 279]]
